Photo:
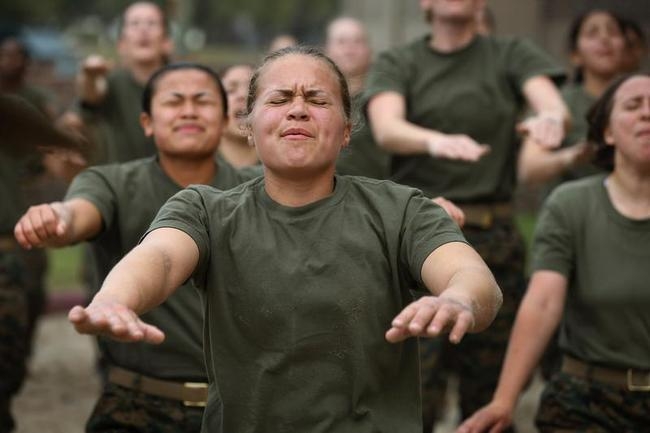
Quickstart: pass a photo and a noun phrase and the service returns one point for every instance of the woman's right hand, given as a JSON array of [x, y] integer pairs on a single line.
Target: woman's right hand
[[493, 418], [114, 320]]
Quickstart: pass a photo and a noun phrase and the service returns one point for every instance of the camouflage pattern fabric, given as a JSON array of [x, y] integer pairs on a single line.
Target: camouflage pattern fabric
[[477, 359], [120, 409], [572, 404], [13, 335]]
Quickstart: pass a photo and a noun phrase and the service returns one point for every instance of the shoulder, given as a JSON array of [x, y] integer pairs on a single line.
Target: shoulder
[[576, 194], [383, 193], [405, 52]]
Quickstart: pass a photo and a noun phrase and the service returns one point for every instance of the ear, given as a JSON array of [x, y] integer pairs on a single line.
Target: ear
[[347, 133], [146, 123], [608, 136]]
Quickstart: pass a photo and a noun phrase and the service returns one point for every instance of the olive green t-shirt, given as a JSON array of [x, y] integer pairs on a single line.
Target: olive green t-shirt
[[128, 197], [605, 257], [362, 156], [579, 102], [297, 302], [115, 122], [476, 91]]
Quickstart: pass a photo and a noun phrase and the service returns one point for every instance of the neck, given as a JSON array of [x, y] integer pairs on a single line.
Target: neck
[[629, 191], [189, 171], [296, 192], [451, 36], [236, 150], [355, 83], [143, 71], [595, 85]]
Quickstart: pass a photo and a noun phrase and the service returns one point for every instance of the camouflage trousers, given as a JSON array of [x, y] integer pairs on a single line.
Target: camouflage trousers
[[120, 409], [13, 335], [477, 359], [572, 404]]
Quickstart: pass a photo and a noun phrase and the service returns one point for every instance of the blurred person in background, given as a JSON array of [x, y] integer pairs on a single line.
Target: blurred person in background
[[281, 41], [589, 279], [636, 47], [346, 43], [235, 147], [597, 49], [110, 97], [448, 107]]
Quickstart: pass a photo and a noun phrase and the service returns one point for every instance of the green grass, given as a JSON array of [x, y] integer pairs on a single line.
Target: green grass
[[526, 223], [64, 268]]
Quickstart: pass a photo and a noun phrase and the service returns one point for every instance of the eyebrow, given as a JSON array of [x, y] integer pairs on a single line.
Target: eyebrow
[[183, 95], [307, 93]]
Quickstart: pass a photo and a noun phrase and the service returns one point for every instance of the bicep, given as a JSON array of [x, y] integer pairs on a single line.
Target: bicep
[[179, 253], [386, 106], [547, 291]]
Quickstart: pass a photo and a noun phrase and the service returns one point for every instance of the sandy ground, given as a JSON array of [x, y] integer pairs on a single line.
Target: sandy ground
[[62, 385]]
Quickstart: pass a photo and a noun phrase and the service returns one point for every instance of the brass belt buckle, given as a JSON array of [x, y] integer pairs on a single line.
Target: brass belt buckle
[[195, 385], [631, 386]]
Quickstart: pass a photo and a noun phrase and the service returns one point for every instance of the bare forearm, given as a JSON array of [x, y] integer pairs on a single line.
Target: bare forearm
[[140, 281], [538, 165], [402, 137], [476, 287], [531, 333]]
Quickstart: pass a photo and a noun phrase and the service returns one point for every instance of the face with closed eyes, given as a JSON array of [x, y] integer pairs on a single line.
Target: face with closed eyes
[[187, 115], [297, 121]]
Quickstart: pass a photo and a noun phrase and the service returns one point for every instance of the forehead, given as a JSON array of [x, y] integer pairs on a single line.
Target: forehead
[[185, 80], [598, 18], [298, 70], [238, 73], [346, 28], [142, 11], [632, 88]]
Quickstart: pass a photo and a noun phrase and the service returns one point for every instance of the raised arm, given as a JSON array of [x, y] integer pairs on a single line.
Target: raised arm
[[58, 224], [547, 126], [91, 80], [466, 296], [539, 315], [387, 114], [538, 164], [143, 279]]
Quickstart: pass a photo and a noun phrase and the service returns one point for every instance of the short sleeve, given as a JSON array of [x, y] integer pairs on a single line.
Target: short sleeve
[[94, 185], [185, 211], [553, 241], [389, 73], [426, 226], [525, 60]]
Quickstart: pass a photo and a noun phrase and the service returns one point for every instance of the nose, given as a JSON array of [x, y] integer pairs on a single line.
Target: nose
[[188, 109], [298, 109]]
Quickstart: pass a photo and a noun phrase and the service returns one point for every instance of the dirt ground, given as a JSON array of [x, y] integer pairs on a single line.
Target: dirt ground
[[62, 385]]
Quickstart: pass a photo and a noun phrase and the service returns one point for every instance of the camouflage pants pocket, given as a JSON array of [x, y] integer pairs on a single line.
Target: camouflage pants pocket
[[571, 404], [120, 409]]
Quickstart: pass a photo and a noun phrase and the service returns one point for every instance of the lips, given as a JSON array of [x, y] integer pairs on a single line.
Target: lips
[[189, 127], [296, 133]]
